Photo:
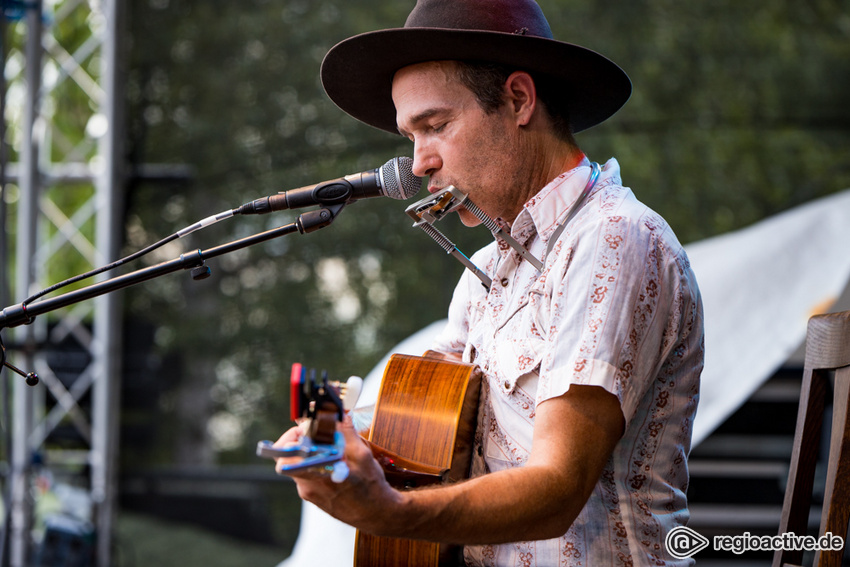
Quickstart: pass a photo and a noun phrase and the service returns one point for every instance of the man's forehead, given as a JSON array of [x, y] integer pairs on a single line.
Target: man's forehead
[[427, 84]]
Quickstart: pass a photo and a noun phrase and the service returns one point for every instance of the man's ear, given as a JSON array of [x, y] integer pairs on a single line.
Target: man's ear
[[522, 96]]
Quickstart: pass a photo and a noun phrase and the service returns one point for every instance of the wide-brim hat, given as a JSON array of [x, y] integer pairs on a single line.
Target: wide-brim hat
[[357, 73]]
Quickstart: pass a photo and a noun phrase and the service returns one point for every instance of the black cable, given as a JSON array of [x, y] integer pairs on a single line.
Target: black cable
[[102, 269], [179, 234]]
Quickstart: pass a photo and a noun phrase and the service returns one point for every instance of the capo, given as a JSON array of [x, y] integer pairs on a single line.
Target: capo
[[317, 406]]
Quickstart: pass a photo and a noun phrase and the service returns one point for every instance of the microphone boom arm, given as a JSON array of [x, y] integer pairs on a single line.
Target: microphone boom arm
[[309, 221]]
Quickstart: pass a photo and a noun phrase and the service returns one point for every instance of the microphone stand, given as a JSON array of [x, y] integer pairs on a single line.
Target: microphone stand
[[21, 314], [310, 221]]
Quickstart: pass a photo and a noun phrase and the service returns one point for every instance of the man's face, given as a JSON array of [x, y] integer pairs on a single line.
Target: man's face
[[455, 141]]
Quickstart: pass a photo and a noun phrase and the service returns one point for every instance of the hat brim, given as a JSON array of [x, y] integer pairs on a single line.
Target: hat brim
[[357, 73]]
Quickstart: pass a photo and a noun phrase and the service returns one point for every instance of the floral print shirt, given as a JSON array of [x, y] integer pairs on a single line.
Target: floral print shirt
[[616, 305]]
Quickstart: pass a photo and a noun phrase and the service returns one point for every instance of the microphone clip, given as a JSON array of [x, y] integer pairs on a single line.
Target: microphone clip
[[318, 218]]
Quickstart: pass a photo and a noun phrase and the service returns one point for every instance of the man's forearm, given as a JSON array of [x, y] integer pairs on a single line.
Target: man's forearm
[[527, 503], [574, 437]]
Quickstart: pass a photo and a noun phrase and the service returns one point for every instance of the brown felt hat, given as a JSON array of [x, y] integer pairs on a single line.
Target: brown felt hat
[[357, 73]]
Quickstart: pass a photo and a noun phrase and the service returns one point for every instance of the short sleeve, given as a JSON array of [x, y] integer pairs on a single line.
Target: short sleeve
[[609, 313]]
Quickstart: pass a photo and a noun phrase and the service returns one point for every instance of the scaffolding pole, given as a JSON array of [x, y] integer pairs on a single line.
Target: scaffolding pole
[[107, 324], [45, 159], [21, 454]]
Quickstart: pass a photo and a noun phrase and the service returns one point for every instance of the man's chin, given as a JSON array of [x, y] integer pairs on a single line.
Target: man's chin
[[467, 218]]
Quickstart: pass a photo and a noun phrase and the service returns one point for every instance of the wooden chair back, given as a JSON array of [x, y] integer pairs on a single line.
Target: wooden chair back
[[827, 354]]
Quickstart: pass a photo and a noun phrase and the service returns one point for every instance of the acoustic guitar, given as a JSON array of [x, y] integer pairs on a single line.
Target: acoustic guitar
[[425, 415], [421, 433]]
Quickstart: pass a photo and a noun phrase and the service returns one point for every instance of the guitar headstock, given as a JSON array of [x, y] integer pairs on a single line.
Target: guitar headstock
[[317, 405], [321, 401]]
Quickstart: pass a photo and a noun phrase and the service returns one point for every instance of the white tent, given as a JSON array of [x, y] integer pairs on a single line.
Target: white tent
[[759, 285]]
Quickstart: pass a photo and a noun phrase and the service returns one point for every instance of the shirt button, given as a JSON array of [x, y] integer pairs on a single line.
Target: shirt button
[[507, 385], [504, 282]]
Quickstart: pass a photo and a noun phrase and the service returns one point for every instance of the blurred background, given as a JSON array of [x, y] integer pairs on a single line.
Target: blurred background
[[156, 114]]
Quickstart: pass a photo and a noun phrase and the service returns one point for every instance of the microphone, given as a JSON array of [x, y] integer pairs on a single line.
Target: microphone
[[394, 179]]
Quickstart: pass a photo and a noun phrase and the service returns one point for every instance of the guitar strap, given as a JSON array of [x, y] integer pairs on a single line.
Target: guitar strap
[[553, 239]]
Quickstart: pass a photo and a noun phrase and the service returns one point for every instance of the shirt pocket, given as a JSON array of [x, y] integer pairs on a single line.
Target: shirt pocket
[[501, 454], [518, 348], [497, 463]]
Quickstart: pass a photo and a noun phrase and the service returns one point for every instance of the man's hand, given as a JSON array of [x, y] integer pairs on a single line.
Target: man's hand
[[362, 500]]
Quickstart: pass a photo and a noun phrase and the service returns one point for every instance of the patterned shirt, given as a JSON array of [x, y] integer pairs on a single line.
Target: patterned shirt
[[617, 306]]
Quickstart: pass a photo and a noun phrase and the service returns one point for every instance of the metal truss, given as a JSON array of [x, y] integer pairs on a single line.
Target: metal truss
[[64, 127]]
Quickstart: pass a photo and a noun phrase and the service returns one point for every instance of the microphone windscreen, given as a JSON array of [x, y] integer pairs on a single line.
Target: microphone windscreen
[[398, 179]]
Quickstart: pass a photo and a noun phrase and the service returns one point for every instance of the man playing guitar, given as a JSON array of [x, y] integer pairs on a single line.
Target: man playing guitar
[[590, 357]]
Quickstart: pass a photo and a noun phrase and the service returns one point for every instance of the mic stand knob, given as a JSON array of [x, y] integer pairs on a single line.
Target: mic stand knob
[[30, 377], [201, 273]]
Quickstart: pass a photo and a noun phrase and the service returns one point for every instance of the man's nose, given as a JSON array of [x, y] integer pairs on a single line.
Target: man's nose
[[426, 160]]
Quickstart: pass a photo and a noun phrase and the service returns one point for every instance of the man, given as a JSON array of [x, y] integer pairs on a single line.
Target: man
[[591, 364]]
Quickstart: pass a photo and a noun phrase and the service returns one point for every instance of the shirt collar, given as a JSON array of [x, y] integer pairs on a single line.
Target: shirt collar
[[546, 210], [549, 205]]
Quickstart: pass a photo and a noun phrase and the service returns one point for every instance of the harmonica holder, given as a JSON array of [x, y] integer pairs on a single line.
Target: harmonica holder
[[431, 209]]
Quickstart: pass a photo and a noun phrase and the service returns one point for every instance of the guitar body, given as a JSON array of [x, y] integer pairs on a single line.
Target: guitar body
[[426, 413]]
